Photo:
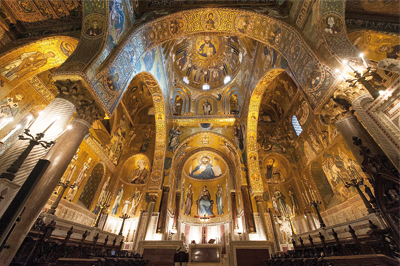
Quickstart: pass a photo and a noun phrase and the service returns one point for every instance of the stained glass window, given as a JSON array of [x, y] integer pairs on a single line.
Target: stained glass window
[[296, 125]]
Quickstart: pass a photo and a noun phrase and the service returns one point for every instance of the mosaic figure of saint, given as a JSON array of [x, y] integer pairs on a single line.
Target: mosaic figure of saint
[[174, 138], [293, 199], [139, 175], [117, 20], [207, 48], [27, 63], [102, 196], [220, 197], [118, 200], [281, 202], [205, 170], [238, 135], [332, 28], [188, 201], [9, 108], [204, 203], [126, 206], [207, 108], [273, 174], [135, 201], [94, 30], [81, 176], [210, 23]]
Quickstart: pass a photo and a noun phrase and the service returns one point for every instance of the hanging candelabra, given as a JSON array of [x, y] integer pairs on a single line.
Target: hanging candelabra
[[362, 76]]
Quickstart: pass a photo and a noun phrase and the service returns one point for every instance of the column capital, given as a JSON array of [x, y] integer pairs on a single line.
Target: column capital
[[153, 196], [258, 198], [349, 93], [336, 110], [86, 107]]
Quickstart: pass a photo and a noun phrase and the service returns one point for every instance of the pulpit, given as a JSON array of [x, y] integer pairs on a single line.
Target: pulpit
[[205, 254]]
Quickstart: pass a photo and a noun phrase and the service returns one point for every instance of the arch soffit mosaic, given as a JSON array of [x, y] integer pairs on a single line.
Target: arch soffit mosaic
[[182, 92], [40, 50], [227, 21], [335, 36], [252, 124], [160, 122]]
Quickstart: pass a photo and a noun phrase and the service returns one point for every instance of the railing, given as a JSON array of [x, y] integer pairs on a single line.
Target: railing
[[40, 248], [377, 243]]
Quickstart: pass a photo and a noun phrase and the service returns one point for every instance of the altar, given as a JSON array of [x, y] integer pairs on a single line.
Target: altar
[[205, 254]]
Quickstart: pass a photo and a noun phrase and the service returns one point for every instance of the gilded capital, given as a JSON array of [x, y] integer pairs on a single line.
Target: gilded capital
[[74, 92], [153, 196], [334, 111], [258, 198], [349, 93]]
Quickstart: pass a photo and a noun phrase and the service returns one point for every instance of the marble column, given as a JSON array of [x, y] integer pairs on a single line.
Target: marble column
[[163, 211], [275, 231], [150, 209], [234, 211], [59, 156], [58, 111], [176, 211], [249, 220], [349, 127], [261, 213]]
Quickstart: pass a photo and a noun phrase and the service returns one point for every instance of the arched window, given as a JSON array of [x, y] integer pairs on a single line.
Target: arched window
[[296, 125]]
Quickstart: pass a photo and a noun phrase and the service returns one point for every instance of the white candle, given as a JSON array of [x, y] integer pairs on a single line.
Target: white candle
[[48, 127], [362, 57]]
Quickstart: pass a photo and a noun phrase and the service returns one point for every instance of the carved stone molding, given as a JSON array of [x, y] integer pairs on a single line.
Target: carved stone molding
[[74, 92], [334, 111], [349, 93]]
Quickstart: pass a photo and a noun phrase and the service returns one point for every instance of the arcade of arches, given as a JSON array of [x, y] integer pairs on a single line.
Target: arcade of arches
[[167, 124]]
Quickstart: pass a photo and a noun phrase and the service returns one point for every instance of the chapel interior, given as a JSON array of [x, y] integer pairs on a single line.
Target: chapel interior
[[195, 132]]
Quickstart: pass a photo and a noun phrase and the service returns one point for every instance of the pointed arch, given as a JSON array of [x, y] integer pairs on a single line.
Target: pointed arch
[[48, 52], [211, 98], [160, 121], [251, 136], [185, 103], [227, 97]]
